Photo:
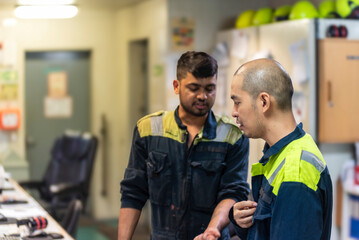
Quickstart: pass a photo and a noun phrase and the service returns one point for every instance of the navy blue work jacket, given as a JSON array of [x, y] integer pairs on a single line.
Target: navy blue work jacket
[[184, 184], [293, 189]]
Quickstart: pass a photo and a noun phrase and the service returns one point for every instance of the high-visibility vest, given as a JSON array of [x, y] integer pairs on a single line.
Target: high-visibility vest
[[299, 161]]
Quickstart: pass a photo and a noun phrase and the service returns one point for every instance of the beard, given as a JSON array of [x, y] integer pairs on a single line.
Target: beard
[[195, 111]]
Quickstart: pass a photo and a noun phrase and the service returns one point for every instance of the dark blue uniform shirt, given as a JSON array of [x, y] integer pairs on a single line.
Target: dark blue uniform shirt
[[184, 184]]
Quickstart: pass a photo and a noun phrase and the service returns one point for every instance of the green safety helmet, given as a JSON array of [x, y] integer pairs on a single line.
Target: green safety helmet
[[245, 19], [347, 8], [303, 9], [262, 16], [327, 9], [281, 13]]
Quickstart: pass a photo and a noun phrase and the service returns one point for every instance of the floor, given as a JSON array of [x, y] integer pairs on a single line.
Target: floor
[[90, 229]]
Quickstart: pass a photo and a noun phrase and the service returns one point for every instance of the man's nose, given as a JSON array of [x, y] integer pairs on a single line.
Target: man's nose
[[234, 112], [202, 95]]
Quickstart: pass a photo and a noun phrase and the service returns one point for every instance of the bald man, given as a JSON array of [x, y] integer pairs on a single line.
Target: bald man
[[291, 185]]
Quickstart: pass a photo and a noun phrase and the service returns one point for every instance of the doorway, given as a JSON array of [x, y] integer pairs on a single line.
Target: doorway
[[57, 99], [139, 106], [139, 96]]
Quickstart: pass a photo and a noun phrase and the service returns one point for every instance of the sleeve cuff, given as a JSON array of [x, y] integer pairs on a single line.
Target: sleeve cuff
[[241, 232], [132, 204]]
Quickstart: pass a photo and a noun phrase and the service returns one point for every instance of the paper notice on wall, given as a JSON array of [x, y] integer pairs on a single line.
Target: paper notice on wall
[[182, 34], [9, 53], [57, 84], [9, 92], [9, 89], [58, 107], [221, 54], [299, 103], [4, 143], [221, 98], [239, 44], [300, 60]]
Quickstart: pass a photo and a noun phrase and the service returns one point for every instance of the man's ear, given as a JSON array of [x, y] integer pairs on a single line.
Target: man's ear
[[265, 101], [176, 85]]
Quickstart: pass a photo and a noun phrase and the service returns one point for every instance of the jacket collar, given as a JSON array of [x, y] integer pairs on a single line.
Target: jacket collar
[[278, 146], [208, 130]]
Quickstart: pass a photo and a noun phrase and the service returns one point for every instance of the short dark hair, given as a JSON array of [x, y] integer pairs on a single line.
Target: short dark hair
[[199, 64]]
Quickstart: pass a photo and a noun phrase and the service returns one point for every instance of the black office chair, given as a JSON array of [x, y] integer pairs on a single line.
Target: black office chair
[[72, 217], [68, 174]]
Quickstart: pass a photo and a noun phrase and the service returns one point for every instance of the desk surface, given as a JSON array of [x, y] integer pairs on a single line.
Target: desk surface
[[30, 209]]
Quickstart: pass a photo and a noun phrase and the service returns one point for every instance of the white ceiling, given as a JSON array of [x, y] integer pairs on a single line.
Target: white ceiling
[[113, 4]]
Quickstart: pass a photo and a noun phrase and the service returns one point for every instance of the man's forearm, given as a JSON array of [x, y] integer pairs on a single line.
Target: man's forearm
[[127, 222], [220, 215]]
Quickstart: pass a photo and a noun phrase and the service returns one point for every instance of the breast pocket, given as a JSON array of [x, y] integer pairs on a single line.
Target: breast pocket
[[159, 178], [206, 180], [264, 207]]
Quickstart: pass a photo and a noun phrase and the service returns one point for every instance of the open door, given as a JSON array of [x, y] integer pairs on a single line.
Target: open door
[[57, 98]]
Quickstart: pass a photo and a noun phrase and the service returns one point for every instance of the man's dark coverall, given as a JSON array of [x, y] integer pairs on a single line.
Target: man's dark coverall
[[184, 184]]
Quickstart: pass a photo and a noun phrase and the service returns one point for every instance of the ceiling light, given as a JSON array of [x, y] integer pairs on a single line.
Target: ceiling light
[[45, 2], [46, 11]]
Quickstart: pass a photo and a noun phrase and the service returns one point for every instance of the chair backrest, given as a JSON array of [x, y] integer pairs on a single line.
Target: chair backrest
[[72, 216], [72, 161]]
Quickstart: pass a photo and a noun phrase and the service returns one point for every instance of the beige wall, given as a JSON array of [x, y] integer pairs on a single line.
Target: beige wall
[[144, 21], [91, 30]]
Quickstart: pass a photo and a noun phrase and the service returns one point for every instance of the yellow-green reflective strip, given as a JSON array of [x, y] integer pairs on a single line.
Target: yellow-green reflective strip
[[272, 177], [157, 126], [312, 159], [257, 169]]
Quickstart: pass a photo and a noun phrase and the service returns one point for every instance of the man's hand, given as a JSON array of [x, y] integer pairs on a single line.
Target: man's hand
[[218, 221], [243, 213], [209, 234]]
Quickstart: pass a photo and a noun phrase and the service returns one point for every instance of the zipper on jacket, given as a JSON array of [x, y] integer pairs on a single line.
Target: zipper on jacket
[[186, 186]]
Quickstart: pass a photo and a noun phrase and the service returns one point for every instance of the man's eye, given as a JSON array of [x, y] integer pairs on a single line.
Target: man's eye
[[210, 89], [193, 89]]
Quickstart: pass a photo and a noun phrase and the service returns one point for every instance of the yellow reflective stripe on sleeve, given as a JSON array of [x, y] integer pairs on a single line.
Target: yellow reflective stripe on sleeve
[[312, 159], [276, 171], [164, 124], [144, 124], [257, 169], [222, 132], [233, 135], [171, 129], [232, 131], [309, 175], [144, 127], [313, 166], [160, 124], [226, 131]]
